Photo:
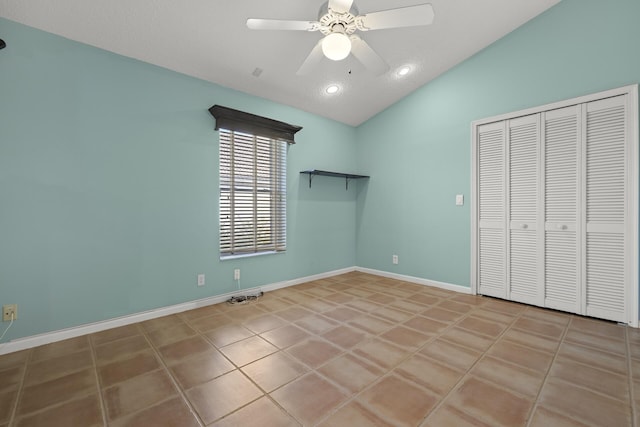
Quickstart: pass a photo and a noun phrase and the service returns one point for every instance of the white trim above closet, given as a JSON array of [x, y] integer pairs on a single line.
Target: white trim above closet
[[555, 206]]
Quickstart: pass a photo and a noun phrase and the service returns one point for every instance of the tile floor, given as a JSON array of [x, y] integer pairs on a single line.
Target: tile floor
[[351, 350]]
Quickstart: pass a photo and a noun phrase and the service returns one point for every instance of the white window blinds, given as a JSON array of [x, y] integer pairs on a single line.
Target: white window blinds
[[252, 193]]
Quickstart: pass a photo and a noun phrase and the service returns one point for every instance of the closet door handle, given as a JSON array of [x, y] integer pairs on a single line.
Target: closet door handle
[[561, 226], [524, 226]]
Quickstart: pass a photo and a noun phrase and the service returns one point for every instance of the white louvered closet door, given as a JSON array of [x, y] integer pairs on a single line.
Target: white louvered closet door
[[491, 210], [523, 152], [556, 206], [561, 150], [605, 206]]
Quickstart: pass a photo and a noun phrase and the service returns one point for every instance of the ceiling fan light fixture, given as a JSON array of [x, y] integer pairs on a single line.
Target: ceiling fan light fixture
[[336, 46]]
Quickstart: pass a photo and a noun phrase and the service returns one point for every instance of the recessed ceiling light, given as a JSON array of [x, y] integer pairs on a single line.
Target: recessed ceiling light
[[332, 89], [404, 70]]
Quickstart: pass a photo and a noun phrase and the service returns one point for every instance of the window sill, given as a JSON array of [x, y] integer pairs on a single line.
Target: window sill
[[240, 256]]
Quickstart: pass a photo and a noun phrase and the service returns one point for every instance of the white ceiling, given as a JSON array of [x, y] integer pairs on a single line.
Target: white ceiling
[[208, 39]]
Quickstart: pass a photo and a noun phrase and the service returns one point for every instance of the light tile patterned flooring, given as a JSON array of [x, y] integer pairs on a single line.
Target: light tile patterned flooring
[[351, 350]]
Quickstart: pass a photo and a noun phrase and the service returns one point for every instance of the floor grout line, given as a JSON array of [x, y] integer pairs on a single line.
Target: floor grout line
[[239, 368], [94, 359], [388, 371], [279, 350], [350, 396], [14, 409], [630, 379], [175, 383], [416, 351], [546, 376], [467, 373]]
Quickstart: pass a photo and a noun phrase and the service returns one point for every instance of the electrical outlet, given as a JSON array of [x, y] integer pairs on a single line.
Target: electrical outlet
[[394, 259], [236, 274], [200, 279], [8, 310]]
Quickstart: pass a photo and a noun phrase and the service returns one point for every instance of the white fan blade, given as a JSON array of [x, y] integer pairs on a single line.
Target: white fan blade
[[340, 6], [367, 56], [421, 14], [312, 60], [278, 24]]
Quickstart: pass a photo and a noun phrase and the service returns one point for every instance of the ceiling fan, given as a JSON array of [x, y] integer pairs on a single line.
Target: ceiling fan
[[338, 20]]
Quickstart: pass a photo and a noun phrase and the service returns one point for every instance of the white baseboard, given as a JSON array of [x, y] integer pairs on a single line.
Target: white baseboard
[[293, 282], [90, 328], [417, 280]]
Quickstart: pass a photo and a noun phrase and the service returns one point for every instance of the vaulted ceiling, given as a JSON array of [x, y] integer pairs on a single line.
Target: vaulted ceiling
[[210, 40]]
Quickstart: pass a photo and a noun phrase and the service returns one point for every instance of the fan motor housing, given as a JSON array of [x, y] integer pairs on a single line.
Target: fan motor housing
[[328, 18]]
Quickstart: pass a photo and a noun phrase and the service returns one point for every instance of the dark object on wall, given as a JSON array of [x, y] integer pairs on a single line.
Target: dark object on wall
[[2, 44], [235, 120]]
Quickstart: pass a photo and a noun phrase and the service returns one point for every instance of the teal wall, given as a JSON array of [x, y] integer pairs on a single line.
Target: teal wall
[[108, 168], [108, 186], [418, 151]]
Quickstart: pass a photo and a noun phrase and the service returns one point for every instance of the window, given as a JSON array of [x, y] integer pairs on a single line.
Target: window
[[253, 187], [252, 193]]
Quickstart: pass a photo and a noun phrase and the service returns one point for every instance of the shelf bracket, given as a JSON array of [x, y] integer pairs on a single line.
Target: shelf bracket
[[346, 181]]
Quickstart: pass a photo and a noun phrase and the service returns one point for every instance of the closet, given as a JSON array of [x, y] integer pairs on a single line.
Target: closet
[[555, 206]]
